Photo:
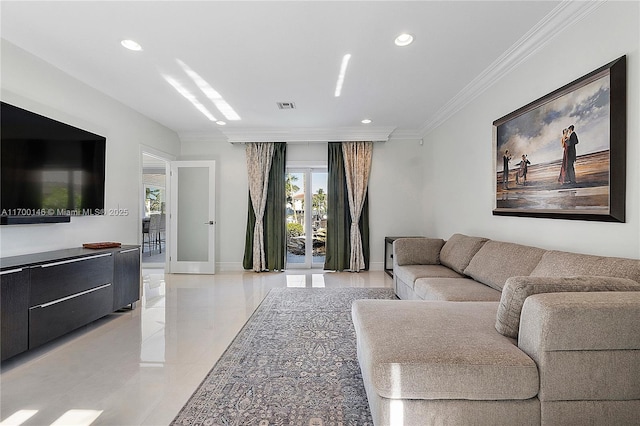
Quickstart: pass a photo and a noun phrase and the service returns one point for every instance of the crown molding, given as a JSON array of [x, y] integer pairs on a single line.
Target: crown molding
[[555, 22], [405, 134], [210, 137], [340, 134]]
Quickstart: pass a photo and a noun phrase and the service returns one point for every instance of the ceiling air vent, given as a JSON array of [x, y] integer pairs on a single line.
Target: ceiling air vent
[[286, 105]]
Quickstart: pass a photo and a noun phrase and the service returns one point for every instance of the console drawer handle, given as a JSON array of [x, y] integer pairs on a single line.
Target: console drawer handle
[[80, 259], [11, 271], [127, 251], [44, 305]]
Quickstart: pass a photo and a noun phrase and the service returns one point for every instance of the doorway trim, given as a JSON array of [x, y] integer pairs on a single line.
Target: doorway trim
[[307, 168], [167, 159], [208, 219]]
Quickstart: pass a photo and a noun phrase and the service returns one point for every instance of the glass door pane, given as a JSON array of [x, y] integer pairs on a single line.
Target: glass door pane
[[296, 223], [306, 191], [319, 216], [192, 217], [193, 214]]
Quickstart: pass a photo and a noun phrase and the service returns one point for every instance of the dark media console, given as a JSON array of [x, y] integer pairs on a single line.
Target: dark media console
[[46, 295], [25, 220]]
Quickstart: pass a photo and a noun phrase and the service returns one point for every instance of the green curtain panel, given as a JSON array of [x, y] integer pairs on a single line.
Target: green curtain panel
[[338, 247], [274, 216], [247, 262]]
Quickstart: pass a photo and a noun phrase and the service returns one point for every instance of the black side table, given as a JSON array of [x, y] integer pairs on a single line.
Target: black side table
[[388, 253]]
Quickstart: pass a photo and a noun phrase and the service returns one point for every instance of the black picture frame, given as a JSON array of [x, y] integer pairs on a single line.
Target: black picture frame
[[555, 178]]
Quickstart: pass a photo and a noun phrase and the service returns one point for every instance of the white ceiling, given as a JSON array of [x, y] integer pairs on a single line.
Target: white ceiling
[[258, 53]]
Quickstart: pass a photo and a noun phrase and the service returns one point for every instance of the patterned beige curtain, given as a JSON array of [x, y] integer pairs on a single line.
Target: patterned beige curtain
[[259, 157], [357, 167]]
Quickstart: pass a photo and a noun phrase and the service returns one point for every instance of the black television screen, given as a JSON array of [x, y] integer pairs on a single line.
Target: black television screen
[[49, 168]]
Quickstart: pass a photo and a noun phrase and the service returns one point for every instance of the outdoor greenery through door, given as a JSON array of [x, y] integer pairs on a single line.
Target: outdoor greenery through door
[[306, 227]]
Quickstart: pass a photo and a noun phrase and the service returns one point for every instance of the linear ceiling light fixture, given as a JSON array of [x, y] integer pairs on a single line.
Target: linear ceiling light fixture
[[189, 96], [343, 71], [213, 95]]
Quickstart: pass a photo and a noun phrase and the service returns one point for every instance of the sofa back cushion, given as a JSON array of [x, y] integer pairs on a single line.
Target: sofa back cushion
[[417, 251], [496, 261], [458, 251], [517, 289], [565, 264]]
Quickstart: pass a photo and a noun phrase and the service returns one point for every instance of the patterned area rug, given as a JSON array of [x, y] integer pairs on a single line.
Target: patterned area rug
[[293, 363]]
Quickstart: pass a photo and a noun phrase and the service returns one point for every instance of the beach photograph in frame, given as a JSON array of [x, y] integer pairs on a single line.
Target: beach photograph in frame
[[563, 156]]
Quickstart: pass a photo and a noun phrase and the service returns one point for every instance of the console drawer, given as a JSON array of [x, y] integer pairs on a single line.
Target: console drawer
[[52, 281], [14, 315], [55, 318]]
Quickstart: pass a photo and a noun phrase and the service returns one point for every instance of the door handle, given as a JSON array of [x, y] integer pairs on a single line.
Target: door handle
[[211, 222]]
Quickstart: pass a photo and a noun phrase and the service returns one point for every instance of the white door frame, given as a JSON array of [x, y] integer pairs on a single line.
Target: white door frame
[[193, 267], [307, 168], [167, 158]]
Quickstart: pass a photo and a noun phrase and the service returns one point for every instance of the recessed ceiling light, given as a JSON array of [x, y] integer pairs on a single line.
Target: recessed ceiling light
[[131, 45], [404, 39], [366, 121], [221, 123]]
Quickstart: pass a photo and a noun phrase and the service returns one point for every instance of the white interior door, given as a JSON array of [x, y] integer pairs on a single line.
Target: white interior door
[[192, 217]]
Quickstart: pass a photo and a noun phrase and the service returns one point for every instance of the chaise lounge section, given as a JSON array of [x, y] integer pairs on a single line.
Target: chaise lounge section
[[501, 333]]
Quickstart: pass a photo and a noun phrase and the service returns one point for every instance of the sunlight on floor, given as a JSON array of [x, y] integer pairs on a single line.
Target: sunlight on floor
[[317, 280], [18, 417], [77, 418], [70, 418]]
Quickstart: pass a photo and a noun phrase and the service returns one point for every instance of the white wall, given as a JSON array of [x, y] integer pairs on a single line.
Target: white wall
[[35, 85], [395, 181], [395, 186], [460, 175]]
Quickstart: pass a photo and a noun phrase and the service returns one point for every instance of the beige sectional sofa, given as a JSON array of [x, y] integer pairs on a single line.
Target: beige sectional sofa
[[496, 333]]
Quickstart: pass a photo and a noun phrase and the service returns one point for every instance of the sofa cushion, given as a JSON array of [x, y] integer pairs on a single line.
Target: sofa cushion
[[417, 251], [564, 264], [496, 261], [440, 350], [409, 273], [458, 251], [455, 290], [517, 289]]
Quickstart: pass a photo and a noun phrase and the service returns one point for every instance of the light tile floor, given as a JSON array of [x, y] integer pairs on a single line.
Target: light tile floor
[[139, 367]]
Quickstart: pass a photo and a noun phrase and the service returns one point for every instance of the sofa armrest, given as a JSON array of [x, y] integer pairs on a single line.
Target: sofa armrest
[[586, 345], [417, 251], [517, 289]]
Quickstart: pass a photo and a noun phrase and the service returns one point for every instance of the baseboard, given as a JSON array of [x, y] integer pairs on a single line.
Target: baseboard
[[237, 266], [376, 266], [229, 267]]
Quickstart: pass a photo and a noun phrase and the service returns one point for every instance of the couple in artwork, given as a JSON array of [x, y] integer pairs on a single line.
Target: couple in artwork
[[569, 141]]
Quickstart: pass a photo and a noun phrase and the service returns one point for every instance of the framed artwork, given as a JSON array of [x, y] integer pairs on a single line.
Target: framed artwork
[[563, 156]]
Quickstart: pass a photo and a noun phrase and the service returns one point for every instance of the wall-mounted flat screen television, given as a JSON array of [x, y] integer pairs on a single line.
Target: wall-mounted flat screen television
[[50, 171]]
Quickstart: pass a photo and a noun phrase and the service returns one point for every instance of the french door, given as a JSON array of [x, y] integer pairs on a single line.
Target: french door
[[192, 217], [306, 190]]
